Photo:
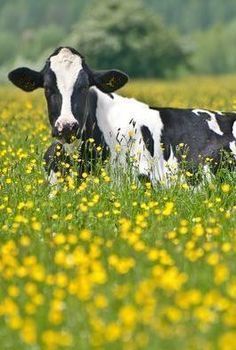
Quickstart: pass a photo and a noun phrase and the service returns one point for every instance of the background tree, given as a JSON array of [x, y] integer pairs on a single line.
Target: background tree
[[216, 50], [194, 15], [127, 35], [30, 29]]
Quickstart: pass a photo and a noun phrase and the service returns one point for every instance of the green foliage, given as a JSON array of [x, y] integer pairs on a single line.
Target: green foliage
[[19, 15], [29, 29], [108, 264], [128, 36], [45, 38], [194, 15], [36, 25], [8, 45], [216, 51]]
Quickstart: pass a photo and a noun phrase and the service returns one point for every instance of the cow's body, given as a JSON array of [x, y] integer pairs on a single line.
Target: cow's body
[[154, 140]]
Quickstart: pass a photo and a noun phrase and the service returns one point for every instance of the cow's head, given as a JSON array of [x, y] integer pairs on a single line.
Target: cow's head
[[66, 80]]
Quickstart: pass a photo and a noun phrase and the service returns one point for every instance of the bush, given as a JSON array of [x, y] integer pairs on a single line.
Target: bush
[[216, 50], [128, 36]]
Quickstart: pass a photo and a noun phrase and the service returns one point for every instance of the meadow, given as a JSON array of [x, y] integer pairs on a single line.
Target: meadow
[[105, 264]]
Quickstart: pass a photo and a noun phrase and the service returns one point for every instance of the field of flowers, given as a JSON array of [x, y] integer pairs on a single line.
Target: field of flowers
[[108, 266]]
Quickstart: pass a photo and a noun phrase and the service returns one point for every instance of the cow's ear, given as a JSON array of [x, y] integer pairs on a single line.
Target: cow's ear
[[26, 79], [110, 80]]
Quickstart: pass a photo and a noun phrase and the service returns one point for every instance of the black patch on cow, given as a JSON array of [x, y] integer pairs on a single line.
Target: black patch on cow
[[107, 80], [89, 154], [54, 158], [183, 126], [53, 97], [110, 95], [79, 102], [226, 122], [148, 139], [26, 79], [143, 178]]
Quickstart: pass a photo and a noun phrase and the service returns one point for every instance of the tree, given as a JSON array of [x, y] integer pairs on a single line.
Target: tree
[[126, 35], [216, 50], [9, 45]]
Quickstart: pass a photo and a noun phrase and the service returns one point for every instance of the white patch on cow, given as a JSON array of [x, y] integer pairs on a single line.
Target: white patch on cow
[[232, 146], [171, 169], [66, 67], [123, 137], [234, 130], [53, 182], [207, 173], [212, 123], [172, 162], [52, 178]]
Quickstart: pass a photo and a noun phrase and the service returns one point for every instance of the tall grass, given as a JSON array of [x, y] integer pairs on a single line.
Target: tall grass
[[113, 264]]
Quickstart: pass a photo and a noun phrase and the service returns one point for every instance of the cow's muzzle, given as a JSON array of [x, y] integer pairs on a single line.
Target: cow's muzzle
[[66, 131]]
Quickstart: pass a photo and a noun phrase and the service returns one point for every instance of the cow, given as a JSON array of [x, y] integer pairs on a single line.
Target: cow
[[82, 106]]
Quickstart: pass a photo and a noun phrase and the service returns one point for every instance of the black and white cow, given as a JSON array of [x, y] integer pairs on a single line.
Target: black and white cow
[[82, 105]]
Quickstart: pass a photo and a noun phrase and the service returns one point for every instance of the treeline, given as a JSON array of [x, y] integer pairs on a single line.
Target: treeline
[[187, 16], [194, 15], [146, 38], [29, 27]]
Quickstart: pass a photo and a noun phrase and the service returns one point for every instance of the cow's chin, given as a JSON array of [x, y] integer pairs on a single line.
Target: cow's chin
[[67, 139]]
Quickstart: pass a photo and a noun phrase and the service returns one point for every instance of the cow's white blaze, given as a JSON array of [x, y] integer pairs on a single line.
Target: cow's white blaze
[[66, 67], [212, 123]]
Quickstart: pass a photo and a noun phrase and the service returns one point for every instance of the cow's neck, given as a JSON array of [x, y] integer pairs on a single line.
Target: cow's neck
[[97, 118]]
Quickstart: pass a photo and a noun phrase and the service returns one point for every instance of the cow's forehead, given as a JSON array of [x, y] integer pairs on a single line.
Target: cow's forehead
[[65, 62]]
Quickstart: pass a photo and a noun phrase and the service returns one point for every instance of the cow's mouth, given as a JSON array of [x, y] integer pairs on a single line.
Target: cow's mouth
[[69, 138], [66, 139]]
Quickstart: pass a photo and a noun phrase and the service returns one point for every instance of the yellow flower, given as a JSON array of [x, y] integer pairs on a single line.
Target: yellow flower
[[221, 273], [198, 230], [188, 174], [225, 188], [173, 314], [29, 332], [185, 186], [36, 226], [100, 301], [113, 332], [25, 241], [227, 341], [168, 209], [69, 217], [128, 316], [85, 235], [13, 291], [213, 259], [117, 148]]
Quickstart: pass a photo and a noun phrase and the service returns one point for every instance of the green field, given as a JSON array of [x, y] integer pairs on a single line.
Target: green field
[[108, 264]]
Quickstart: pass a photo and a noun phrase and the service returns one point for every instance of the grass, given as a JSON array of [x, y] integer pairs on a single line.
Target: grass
[[108, 264]]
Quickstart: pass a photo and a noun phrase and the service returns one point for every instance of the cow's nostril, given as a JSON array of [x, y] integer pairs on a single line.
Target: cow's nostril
[[66, 130]]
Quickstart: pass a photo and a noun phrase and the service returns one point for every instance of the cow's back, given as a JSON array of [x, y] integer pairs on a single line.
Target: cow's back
[[201, 133]]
